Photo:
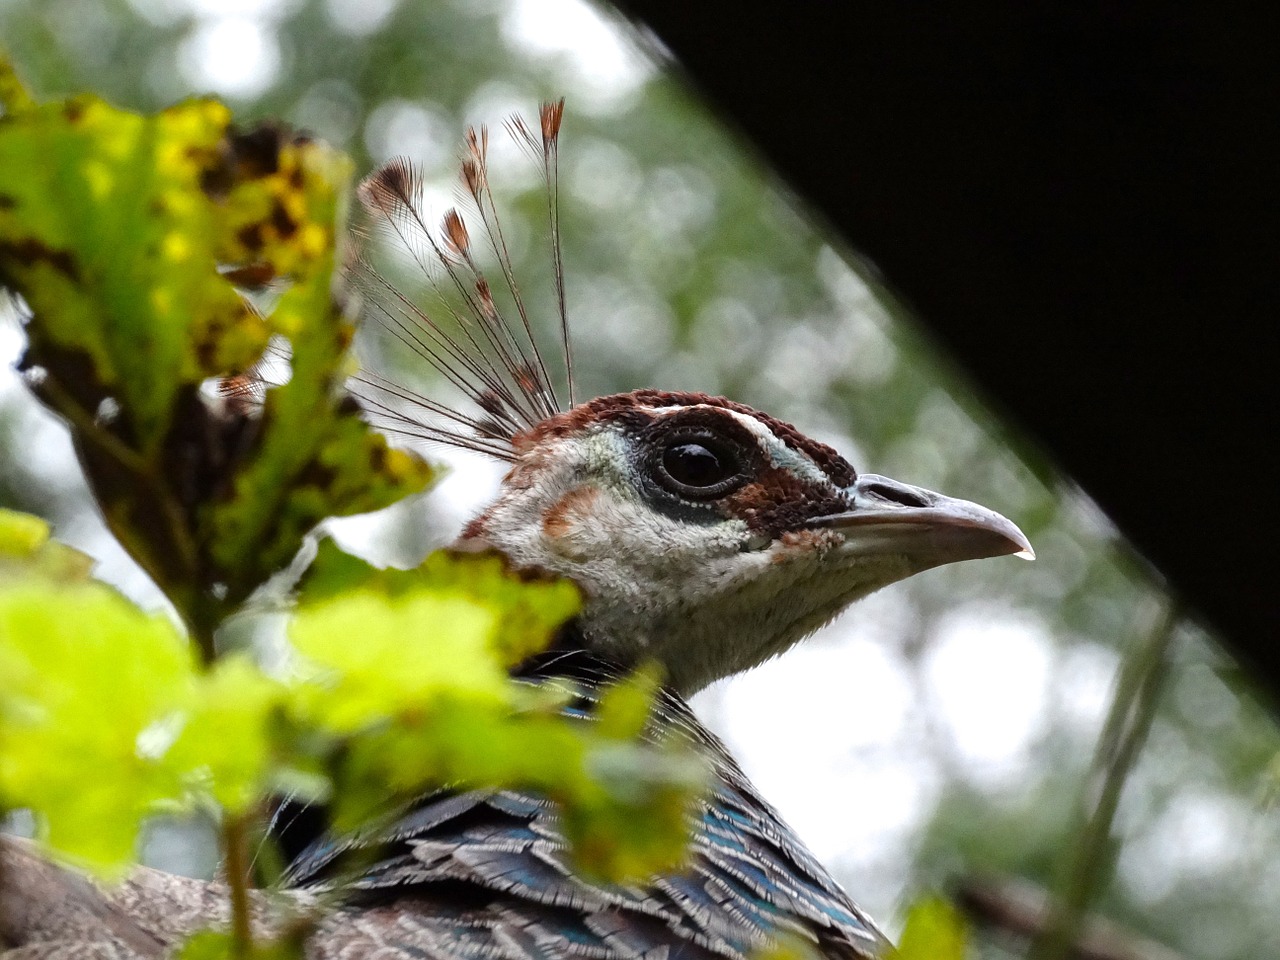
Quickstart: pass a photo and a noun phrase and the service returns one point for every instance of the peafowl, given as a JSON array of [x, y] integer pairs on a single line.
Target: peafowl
[[706, 536]]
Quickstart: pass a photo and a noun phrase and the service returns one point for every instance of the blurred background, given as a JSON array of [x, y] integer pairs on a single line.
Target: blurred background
[[940, 731]]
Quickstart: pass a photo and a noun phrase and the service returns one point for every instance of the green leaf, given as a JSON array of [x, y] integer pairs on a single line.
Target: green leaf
[[934, 931], [628, 813], [126, 235], [21, 534], [26, 550], [315, 456], [219, 945], [438, 644], [624, 708], [227, 743], [451, 715], [788, 946], [528, 607], [86, 681], [107, 239]]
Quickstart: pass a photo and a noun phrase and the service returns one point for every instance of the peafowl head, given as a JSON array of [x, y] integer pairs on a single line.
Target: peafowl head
[[705, 535]]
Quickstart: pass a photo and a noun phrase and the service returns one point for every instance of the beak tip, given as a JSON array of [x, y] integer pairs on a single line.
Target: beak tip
[[946, 529], [1017, 539]]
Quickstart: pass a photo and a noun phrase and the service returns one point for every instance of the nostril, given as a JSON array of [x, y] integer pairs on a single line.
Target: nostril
[[903, 495]]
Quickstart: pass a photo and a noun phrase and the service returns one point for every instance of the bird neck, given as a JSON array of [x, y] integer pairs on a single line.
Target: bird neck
[[568, 657]]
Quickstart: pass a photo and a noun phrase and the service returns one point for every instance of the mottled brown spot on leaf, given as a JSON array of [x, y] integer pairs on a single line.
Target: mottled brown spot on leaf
[[250, 236], [257, 151], [251, 276], [284, 224], [29, 252]]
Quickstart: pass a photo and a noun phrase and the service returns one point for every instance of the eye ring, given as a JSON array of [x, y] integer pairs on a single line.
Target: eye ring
[[698, 466]]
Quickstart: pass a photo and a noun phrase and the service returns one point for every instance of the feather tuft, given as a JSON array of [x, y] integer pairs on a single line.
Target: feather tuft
[[465, 335]]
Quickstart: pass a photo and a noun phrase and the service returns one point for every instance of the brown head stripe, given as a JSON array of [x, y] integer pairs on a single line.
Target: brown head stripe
[[620, 406]]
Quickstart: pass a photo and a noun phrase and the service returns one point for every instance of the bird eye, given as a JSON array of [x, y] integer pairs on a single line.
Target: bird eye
[[699, 468]]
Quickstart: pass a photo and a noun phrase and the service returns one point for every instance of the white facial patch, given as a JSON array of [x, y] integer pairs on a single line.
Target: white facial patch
[[706, 596]]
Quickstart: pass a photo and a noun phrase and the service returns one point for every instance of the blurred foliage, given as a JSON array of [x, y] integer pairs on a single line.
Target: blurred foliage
[[933, 931], [88, 682], [123, 234], [69, 646], [689, 267], [217, 945]]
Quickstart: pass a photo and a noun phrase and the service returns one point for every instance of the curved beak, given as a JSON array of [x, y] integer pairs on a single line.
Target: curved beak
[[926, 528]]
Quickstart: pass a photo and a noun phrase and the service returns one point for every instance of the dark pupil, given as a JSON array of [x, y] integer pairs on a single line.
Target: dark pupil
[[693, 465]]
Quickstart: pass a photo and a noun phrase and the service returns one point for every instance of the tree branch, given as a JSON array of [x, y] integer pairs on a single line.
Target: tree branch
[[1133, 707], [1023, 911]]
